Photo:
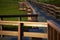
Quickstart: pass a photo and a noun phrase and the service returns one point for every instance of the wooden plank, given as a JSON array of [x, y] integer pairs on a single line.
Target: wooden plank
[[1, 26], [54, 25], [35, 24], [22, 9], [29, 18], [7, 23], [10, 33], [19, 32], [58, 36], [49, 32], [58, 8], [16, 23], [19, 29], [54, 35], [20, 2], [34, 34]]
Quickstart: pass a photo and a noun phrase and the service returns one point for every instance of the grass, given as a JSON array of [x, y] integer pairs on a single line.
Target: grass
[[54, 2], [10, 7]]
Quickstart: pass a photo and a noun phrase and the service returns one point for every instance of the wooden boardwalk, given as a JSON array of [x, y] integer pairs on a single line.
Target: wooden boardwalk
[[53, 30]]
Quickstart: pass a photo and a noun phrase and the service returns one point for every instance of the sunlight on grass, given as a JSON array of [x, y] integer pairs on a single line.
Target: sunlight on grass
[[10, 7]]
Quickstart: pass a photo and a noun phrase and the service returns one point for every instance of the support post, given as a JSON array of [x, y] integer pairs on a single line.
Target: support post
[[19, 30], [58, 36], [1, 27]]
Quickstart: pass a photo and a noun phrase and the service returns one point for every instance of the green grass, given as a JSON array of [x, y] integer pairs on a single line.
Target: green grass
[[10, 7], [54, 2]]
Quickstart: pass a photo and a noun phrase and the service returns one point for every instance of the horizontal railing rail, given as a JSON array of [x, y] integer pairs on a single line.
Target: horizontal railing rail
[[35, 24], [26, 34], [22, 15]]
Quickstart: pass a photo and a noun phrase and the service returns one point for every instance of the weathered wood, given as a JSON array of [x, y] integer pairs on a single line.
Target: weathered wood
[[34, 34], [10, 33]]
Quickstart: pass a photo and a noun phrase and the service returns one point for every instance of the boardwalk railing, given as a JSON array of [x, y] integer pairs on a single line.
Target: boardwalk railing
[[51, 10], [23, 6], [53, 29], [19, 24], [13, 23]]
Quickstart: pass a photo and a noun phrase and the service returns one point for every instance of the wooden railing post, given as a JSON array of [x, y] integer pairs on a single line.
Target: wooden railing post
[[49, 32], [58, 36], [19, 29], [29, 11], [21, 6], [1, 26], [53, 31], [54, 35]]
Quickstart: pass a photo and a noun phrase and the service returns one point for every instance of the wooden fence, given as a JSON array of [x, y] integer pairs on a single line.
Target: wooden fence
[[53, 29], [51, 10], [19, 24]]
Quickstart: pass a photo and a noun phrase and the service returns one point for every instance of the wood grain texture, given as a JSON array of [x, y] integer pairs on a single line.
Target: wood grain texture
[[34, 34]]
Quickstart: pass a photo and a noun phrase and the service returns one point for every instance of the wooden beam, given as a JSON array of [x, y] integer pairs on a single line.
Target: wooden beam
[[53, 25], [9, 23], [22, 9], [34, 34], [35, 24], [10, 33], [16, 23]]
